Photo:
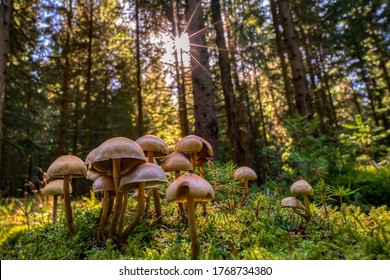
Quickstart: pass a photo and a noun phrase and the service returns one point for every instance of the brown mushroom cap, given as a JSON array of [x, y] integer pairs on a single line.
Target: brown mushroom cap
[[301, 187], [292, 202], [245, 173], [203, 161], [103, 183], [194, 144], [55, 187], [67, 165], [177, 161], [152, 175], [151, 143], [117, 148], [92, 176], [198, 188]]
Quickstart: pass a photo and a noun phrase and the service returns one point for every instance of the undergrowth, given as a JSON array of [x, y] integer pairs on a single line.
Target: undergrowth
[[261, 229]]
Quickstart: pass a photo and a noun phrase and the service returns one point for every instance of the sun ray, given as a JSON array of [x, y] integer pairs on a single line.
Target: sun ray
[[200, 64], [209, 47], [203, 29], [192, 15]]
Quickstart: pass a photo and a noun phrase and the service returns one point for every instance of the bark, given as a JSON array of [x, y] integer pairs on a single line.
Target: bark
[[138, 74], [206, 125], [64, 115], [236, 135], [283, 63], [88, 112], [180, 75], [5, 23], [295, 60]]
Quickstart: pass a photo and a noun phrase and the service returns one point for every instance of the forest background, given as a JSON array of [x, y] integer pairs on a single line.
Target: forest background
[[295, 89]]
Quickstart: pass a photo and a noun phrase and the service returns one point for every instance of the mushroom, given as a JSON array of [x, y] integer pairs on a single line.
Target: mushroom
[[153, 147], [104, 184], [143, 177], [303, 188], [55, 188], [195, 147], [190, 188], [201, 162], [117, 156], [293, 203], [245, 173], [177, 162], [67, 167]]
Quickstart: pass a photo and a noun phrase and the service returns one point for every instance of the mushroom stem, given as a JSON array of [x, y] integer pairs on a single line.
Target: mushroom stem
[[157, 205], [245, 193], [192, 226], [182, 210], [116, 165], [103, 217], [156, 196], [307, 205], [55, 200], [67, 206], [193, 160], [137, 216], [123, 210], [306, 217]]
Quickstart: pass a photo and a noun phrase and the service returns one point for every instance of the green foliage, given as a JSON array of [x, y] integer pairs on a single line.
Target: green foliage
[[269, 232], [308, 154], [365, 141]]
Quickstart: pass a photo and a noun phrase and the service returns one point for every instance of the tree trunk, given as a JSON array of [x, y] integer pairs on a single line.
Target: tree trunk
[[64, 115], [283, 64], [180, 75], [88, 111], [295, 59], [204, 105], [140, 120], [5, 23]]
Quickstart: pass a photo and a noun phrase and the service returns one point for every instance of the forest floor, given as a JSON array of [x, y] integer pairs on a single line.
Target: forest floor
[[261, 229]]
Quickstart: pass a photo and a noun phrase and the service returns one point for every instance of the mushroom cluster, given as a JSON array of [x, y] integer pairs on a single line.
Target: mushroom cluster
[[303, 188], [119, 166]]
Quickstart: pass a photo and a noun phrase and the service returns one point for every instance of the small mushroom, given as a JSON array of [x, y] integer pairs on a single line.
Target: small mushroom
[[153, 147], [104, 184], [303, 188], [245, 173], [190, 188], [195, 147], [142, 177], [55, 188], [67, 167], [293, 203], [177, 162]]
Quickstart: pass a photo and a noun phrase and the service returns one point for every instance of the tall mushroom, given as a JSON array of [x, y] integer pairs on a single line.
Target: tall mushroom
[[177, 162], [190, 188], [117, 156], [144, 176], [105, 185], [67, 167], [154, 147], [55, 188], [245, 173], [303, 188]]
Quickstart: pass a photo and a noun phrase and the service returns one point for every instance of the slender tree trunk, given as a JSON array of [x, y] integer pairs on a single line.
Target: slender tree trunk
[[140, 120], [180, 75], [64, 115], [5, 23], [235, 134], [295, 59], [206, 125], [76, 119], [88, 110], [283, 63]]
